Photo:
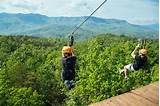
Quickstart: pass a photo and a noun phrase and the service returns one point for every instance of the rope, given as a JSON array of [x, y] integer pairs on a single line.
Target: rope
[[86, 19]]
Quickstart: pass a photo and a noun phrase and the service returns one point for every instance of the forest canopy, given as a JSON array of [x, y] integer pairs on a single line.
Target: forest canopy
[[30, 70]]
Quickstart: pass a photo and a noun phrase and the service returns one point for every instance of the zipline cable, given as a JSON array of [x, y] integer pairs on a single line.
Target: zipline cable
[[86, 19]]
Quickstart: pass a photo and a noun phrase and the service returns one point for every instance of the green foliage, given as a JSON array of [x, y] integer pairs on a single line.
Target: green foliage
[[30, 64], [30, 70], [24, 97], [99, 60]]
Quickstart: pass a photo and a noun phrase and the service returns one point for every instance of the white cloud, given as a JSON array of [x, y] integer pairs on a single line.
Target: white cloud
[[137, 11], [25, 6], [134, 11]]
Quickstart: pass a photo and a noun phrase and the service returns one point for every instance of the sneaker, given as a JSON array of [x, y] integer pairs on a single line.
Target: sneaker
[[71, 81], [67, 83], [72, 84], [126, 78], [69, 87]]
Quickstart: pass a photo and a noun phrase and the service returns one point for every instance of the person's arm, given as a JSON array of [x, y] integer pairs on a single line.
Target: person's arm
[[62, 61], [133, 54], [71, 41], [73, 54]]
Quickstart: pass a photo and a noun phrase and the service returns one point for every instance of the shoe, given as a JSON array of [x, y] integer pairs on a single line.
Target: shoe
[[69, 84], [69, 87], [72, 84], [66, 82], [126, 78]]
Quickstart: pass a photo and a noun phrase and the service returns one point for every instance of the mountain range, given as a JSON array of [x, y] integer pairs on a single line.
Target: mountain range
[[44, 26]]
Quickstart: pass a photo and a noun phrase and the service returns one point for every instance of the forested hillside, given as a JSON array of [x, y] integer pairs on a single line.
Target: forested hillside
[[44, 26], [30, 70]]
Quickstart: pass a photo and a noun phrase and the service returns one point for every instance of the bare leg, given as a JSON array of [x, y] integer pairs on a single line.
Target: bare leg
[[121, 71], [125, 73]]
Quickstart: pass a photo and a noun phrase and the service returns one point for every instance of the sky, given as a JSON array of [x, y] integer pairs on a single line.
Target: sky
[[134, 11]]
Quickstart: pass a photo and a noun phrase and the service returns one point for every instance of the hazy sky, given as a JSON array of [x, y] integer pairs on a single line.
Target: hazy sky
[[134, 11]]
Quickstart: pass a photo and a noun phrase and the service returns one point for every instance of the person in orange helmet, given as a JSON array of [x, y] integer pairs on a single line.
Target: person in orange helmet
[[68, 66], [140, 59]]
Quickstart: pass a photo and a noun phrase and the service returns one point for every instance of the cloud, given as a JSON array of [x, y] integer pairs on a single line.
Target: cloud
[[25, 6], [21, 5], [2, 8], [137, 11]]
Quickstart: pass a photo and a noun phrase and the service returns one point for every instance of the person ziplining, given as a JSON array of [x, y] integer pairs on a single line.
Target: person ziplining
[[69, 59], [68, 63], [140, 59]]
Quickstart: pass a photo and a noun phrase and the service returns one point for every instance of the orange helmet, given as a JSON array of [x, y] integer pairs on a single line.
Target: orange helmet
[[67, 49], [143, 51]]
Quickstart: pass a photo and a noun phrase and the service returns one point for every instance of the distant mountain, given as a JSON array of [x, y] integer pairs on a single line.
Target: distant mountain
[[43, 26], [152, 26]]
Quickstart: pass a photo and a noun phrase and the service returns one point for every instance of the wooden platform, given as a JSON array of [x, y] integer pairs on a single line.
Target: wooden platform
[[145, 96]]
